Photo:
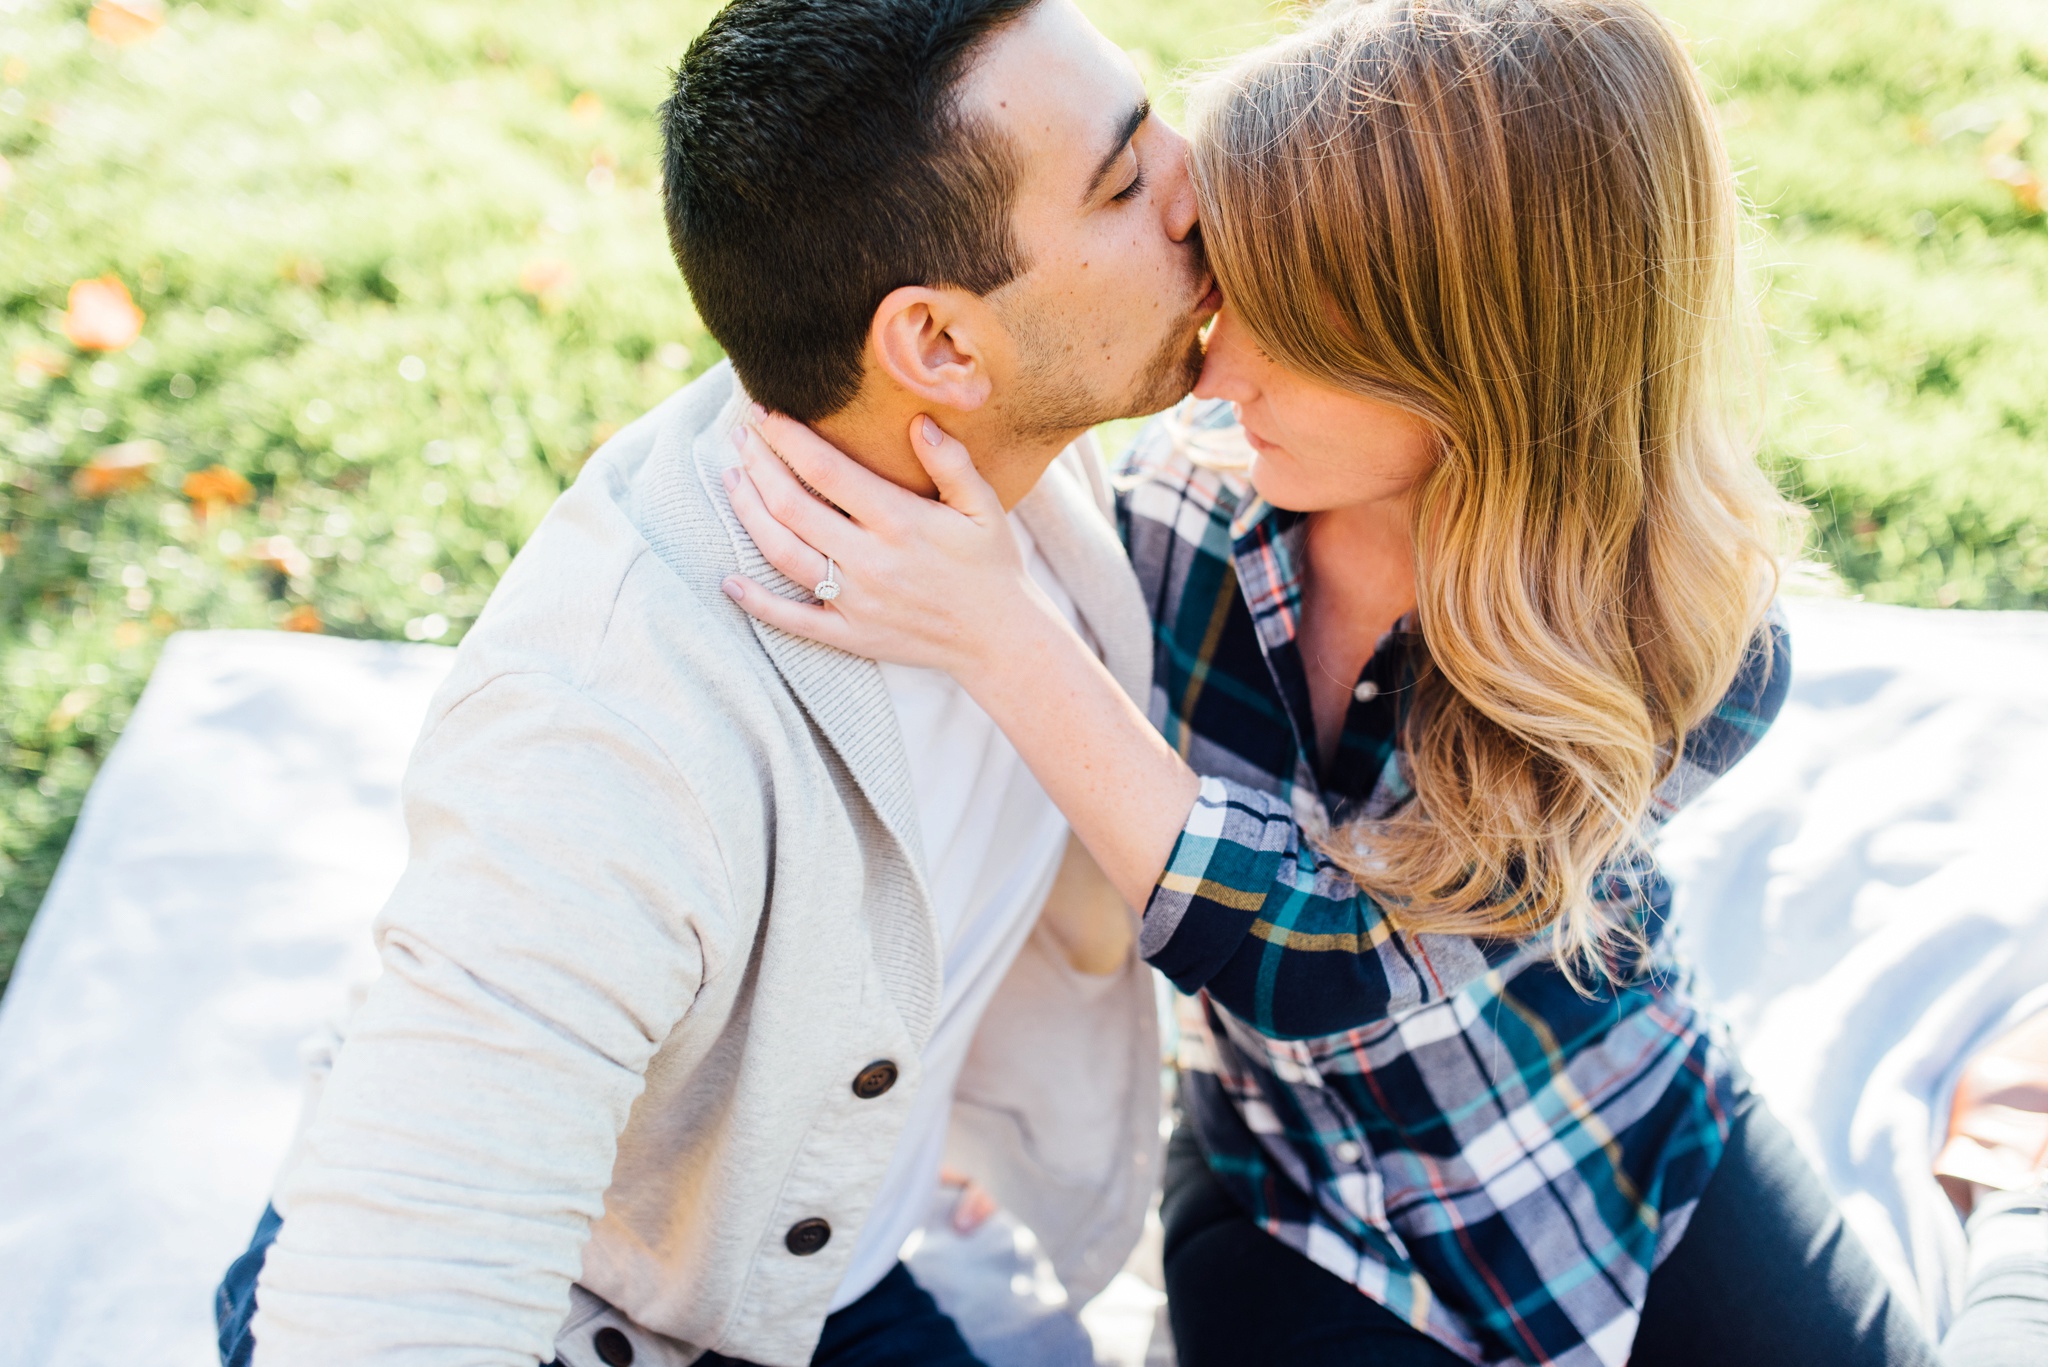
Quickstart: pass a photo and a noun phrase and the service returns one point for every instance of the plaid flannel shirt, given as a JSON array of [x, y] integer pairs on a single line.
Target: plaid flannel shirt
[[1445, 1123]]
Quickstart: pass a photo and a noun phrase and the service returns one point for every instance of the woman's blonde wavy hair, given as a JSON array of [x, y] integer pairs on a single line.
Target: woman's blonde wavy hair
[[1515, 219]]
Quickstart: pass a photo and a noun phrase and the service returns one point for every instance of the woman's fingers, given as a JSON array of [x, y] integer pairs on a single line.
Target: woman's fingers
[[974, 1204], [973, 1208], [813, 621], [820, 525], [823, 466], [951, 467], [779, 546]]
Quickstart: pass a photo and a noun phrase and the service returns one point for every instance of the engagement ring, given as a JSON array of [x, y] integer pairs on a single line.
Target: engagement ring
[[828, 587]]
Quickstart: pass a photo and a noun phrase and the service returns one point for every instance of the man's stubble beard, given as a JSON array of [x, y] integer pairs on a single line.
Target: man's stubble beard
[[1049, 398], [1169, 378]]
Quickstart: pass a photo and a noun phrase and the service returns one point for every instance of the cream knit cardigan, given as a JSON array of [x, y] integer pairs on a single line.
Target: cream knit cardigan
[[664, 902]]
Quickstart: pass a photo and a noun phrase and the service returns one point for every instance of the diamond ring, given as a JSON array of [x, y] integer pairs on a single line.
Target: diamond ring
[[828, 587]]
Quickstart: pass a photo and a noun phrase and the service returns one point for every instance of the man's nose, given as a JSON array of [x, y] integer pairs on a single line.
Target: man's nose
[[1179, 205]]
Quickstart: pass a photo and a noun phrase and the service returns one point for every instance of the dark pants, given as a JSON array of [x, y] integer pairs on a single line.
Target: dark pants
[[897, 1324], [1766, 1273]]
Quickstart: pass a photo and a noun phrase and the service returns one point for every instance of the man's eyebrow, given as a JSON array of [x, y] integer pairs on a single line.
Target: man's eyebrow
[[1132, 122]]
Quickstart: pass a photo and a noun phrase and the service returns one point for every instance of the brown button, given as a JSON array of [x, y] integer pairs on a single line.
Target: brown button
[[614, 1347], [806, 1237], [875, 1079]]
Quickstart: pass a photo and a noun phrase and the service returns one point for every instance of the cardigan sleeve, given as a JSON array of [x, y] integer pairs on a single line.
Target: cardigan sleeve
[[563, 903], [1248, 910]]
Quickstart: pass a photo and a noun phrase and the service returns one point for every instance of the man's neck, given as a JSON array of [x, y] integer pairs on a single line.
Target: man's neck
[[878, 437]]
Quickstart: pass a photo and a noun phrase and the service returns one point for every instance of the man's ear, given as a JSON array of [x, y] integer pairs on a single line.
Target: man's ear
[[933, 343]]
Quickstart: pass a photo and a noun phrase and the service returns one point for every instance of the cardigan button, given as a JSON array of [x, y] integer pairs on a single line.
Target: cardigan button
[[875, 1079], [806, 1237], [614, 1347]]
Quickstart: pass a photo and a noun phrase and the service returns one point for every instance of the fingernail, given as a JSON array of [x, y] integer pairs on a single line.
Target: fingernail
[[756, 413], [932, 435], [739, 438], [735, 588], [731, 475]]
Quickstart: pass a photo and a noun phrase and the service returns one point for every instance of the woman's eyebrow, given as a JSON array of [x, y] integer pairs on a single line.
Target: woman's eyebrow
[[1125, 132]]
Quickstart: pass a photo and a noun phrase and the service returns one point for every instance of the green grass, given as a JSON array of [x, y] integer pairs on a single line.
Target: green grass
[[1908, 282], [326, 209]]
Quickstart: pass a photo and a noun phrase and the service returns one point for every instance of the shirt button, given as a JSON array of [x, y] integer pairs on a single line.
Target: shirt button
[[1348, 1152], [806, 1237], [614, 1347], [1366, 691], [875, 1079]]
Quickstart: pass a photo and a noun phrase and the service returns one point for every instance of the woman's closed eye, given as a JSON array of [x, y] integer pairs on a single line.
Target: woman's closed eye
[[1133, 190]]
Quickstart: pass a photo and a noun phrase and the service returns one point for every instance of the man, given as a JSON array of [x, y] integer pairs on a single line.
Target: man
[[713, 940]]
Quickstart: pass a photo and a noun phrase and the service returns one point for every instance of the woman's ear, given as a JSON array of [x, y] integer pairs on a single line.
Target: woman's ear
[[932, 344]]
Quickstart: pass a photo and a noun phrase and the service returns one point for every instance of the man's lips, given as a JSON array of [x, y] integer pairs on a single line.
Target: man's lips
[[1211, 301]]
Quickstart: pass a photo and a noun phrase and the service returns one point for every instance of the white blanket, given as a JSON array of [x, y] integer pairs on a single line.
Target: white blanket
[[212, 910], [1863, 892], [1867, 896]]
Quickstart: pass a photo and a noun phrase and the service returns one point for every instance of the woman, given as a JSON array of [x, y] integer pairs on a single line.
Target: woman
[[1490, 600]]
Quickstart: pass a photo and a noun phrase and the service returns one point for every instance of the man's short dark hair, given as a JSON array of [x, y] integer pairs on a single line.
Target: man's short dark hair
[[814, 159]]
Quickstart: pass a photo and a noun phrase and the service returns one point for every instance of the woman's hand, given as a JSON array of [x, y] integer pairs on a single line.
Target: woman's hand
[[937, 584], [943, 585]]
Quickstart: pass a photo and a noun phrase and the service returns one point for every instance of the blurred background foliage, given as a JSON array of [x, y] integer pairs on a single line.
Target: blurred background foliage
[[309, 309]]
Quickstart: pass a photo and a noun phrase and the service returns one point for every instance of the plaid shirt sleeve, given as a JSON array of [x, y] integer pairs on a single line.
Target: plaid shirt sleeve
[[1280, 936]]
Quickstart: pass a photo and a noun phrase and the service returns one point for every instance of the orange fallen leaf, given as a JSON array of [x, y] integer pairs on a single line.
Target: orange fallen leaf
[[34, 364], [2023, 180], [280, 554], [586, 107], [102, 315], [305, 617], [117, 469], [2026, 186], [545, 277], [216, 487], [122, 22]]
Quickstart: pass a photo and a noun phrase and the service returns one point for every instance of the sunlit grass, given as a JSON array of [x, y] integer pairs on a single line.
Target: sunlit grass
[[1898, 155]]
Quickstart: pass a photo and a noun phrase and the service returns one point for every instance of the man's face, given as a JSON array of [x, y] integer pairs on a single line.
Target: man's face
[[1106, 316]]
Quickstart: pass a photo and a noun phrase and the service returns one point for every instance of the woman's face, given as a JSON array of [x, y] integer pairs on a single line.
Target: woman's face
[[1316, 447]]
